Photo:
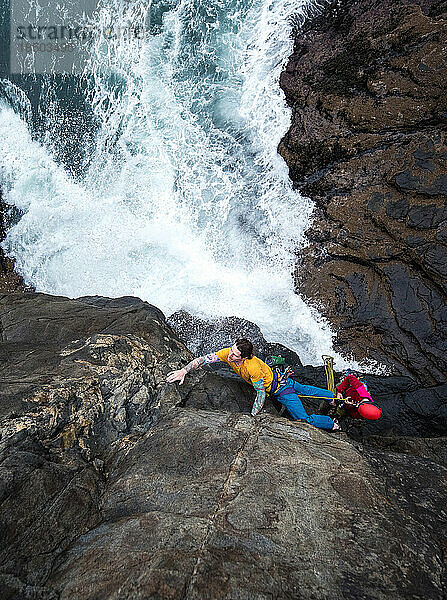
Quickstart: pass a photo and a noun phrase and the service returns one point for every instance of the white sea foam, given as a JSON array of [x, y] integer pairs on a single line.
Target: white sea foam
[[185, 202]]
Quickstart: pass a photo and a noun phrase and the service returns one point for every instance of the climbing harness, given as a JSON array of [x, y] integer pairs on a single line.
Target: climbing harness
[[279, 377]]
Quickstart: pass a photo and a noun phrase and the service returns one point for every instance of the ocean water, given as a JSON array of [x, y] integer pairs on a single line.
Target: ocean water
[[181, 198]]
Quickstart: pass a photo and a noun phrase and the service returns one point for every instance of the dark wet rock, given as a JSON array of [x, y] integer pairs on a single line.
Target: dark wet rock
[[398, 210], [115, 485], [10, 280], [203, 336], [432, 448], [422, 217], [367, 144], [414, 241]]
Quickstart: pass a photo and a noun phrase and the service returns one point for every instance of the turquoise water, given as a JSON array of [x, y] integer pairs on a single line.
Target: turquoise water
[[182, 199]]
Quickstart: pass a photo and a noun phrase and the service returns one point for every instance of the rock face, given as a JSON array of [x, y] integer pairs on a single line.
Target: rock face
[[206, 336], [192, 510], [366, 84], [115, 485], [10, 280]]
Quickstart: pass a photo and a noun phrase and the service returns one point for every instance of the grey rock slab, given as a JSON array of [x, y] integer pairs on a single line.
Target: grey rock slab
[[208, 505]]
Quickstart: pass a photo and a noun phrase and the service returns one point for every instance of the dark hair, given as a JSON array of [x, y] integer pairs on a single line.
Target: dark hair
[[245, 347]]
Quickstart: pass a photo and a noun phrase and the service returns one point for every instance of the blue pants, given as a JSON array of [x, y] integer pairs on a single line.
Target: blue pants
[[288, 395]]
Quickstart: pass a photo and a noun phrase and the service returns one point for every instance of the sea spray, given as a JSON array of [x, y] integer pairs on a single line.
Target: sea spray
[[183, 199]]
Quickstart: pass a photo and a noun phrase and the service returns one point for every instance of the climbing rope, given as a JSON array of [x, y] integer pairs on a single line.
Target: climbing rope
[[329, 369], [328, 362]]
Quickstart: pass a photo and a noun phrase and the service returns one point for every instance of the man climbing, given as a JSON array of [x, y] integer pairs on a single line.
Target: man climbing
[[265, 381]]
